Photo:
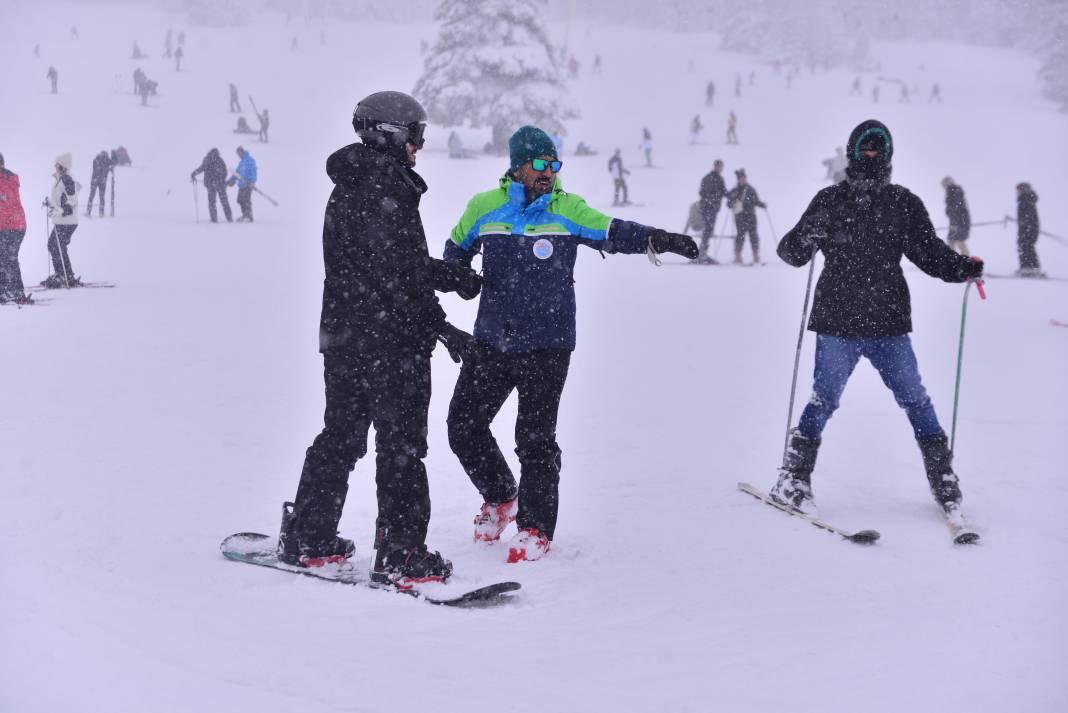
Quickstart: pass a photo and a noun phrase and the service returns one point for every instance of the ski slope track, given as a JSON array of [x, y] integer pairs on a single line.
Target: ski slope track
[[142, 424]]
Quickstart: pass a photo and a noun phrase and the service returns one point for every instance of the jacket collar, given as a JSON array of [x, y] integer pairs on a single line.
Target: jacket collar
[[517, 196]]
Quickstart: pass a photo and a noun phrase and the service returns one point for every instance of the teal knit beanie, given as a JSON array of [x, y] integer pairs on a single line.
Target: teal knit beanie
[[527, 143]]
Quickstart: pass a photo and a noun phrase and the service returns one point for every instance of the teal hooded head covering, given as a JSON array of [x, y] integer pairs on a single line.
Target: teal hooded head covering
[[529, 142]]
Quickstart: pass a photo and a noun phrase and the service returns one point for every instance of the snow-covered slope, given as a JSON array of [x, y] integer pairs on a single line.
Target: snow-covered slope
[[144, 423]]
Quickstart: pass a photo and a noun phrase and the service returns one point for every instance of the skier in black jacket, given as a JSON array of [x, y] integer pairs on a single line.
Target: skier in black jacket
[[1027, 230], [743, 202], [712, 191], [380, 322], [214, 169], [863, 226], [98, 182], [960, 220]]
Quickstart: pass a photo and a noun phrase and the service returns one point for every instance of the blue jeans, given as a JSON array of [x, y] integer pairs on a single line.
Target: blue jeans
[[892, 357]]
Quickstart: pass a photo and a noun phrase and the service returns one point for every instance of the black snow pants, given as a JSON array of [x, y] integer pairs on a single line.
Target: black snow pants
[[1025, 248], [392, 393], [10, 274], [219, 191], [746, 225], [57, 248], [709, 215], [94, 188], [483, 386], [244, 201]]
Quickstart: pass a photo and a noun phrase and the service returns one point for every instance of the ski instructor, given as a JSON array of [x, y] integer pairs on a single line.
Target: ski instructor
[[528, 230], [863, 226], [380, 322]]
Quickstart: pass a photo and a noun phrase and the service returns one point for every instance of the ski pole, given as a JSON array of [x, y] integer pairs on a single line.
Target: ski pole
[[722, 234], [196, 201], [797, 354], [771, 225], [270, 200], [960, 355]]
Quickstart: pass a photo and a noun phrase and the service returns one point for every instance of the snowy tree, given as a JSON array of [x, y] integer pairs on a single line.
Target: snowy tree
[[1054, 70], [493, 64]]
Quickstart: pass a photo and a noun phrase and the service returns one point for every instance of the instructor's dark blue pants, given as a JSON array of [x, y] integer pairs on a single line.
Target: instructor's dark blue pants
[[892, 357]]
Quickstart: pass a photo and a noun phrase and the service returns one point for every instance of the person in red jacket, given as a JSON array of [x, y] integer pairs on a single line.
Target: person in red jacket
[[12, 231]]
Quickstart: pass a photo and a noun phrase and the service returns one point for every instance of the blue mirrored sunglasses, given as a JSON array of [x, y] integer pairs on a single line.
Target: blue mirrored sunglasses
[[540, 164]]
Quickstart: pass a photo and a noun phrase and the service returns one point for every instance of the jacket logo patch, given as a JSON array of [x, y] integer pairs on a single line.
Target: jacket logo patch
[[543, 249]]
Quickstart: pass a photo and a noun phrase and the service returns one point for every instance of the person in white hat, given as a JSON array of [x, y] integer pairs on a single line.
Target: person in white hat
[[63, 210]]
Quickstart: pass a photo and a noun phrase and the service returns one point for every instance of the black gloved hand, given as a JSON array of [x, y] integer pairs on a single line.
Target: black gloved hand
[[468, 283], [459, 343], [972, 269], [662, 241]]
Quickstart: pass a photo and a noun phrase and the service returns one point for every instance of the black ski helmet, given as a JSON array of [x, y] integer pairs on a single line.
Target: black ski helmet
[[386, 121]]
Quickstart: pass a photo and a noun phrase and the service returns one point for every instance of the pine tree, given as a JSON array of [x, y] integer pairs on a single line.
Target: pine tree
[[493, 64]]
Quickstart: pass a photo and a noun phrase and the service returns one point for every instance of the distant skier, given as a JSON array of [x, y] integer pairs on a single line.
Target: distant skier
[[936, 94], [1027, 231], [265, 124], [619, 181], [855, 90], [597, 64], [646, 146], [214, 169], [235, 101], [168, 44], [139, 78], [875, 94], [752, 77], [528, 230], [904, 98], [53, 76], [732, 128], [960, 220], [178, 54], [696, 127], [380, 323], [836, 166], [711, 199], [63, 210], [245, 178], [74, 33], [137, 53], [98, 182], [863, 227], [12, 231], [710, 93], [738, 84], [743, 202]]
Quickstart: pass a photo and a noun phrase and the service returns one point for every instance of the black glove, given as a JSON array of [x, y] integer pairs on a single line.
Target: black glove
[[972, 269], [662, 241], [459, 279], [459, 343]]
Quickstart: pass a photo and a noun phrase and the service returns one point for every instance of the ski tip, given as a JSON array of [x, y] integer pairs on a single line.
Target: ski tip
[[966, 538], [864, 537]]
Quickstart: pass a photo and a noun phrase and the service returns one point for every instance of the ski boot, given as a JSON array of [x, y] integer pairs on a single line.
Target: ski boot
[[938, 462], [53, 282], [493, 518], [794, 488], [528, 545], [293, 551], [403, 567]]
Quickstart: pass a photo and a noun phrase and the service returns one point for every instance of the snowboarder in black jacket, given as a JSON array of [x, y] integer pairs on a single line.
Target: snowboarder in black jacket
[[712, 191], [1027, 230], [960, 220], [380, 322], [214, 169], [864, 226]]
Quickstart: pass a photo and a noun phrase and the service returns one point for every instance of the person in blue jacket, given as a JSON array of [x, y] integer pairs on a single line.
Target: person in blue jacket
[[528, 230], [245, 178]]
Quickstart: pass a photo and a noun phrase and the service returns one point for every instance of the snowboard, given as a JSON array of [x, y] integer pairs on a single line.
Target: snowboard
[[258, 549]]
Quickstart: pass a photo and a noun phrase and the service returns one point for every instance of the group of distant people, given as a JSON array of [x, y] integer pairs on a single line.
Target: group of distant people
[[217, 179], [742, 200]]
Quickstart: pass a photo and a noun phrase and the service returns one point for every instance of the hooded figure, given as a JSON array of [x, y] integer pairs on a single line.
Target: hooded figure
[[214, 169], [63, 211], [1027, 230], [864, 226], [960, 220]]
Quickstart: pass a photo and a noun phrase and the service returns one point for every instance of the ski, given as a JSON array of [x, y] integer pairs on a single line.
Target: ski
[[258, 549], [959, 529], [1042, 277], [90, 285], [864, 537]]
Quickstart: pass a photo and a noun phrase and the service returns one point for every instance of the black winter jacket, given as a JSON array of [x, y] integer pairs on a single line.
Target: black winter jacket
[[957, 206], [747, 196], [214, 169], [863, 235], [1027, 216], [712, 190], [378, 295], [101, 166]]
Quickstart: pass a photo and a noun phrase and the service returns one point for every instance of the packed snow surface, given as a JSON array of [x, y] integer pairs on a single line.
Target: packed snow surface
[[143, 424]]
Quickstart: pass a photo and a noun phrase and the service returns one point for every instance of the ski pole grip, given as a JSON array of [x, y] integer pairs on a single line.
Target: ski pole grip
[[982, 290]]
